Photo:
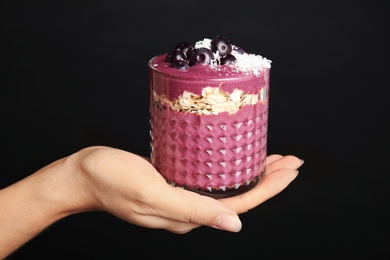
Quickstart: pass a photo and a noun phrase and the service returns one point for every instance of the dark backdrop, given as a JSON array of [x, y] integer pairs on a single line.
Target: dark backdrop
[[75, 75]]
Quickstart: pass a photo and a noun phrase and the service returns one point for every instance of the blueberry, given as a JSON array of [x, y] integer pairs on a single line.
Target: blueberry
[[239, 50], [221, 44], [179, 64], [201, 56], [190, 51], [184, 47], [227, 59], [175, 55], [168, 57]]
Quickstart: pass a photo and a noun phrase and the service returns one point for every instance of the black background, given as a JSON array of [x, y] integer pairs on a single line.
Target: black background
[[75, 75]]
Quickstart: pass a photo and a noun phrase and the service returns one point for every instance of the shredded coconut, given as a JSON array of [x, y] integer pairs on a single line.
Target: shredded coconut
[[247, 63], [206, 43], [251, 63]]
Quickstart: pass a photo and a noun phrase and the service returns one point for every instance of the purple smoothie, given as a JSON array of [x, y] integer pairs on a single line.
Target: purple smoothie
[[215, 152]]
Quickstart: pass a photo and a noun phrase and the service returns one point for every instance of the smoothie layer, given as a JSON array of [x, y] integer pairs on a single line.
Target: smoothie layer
[[210, 152], [173, 82]]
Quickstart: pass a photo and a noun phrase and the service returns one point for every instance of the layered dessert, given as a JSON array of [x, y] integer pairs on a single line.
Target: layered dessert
[[209, 116]]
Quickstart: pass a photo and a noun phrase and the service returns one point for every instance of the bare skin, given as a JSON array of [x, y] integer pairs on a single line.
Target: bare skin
[[127, 186]]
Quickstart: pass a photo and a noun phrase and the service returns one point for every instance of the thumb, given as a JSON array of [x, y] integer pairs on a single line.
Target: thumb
[[228, 222], [185, 206]]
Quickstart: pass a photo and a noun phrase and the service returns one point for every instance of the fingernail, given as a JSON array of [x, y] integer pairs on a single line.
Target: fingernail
[[302, 161], [228, 222]]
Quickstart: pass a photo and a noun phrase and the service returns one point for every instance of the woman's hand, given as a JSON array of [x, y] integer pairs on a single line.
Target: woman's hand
[[129, 187]]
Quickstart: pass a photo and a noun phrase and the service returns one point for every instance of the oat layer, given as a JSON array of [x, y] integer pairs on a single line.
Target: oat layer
[[212, 101]]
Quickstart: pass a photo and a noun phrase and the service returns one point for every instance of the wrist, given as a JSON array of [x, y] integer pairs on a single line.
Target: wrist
[[37, 201], [27, 207], [61, 188], [51, 190], [70, 188]]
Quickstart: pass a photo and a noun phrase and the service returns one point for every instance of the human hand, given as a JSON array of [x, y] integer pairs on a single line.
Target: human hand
[[129, 187]]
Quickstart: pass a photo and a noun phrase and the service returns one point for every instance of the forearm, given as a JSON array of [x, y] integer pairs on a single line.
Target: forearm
[[34, 203]]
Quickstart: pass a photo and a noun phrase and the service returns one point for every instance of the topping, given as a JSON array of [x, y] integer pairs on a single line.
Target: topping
[[238, 50], [180, 64], [221, 44], [201, 56], [227, 59], [184, 47], [215, 52], [175, 55]]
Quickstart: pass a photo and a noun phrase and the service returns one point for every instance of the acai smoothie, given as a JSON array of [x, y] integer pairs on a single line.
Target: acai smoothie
[[209, 116]]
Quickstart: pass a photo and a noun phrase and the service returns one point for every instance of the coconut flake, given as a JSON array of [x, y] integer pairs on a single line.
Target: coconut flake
[[251, 63], [246, 62], [205, 43]]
